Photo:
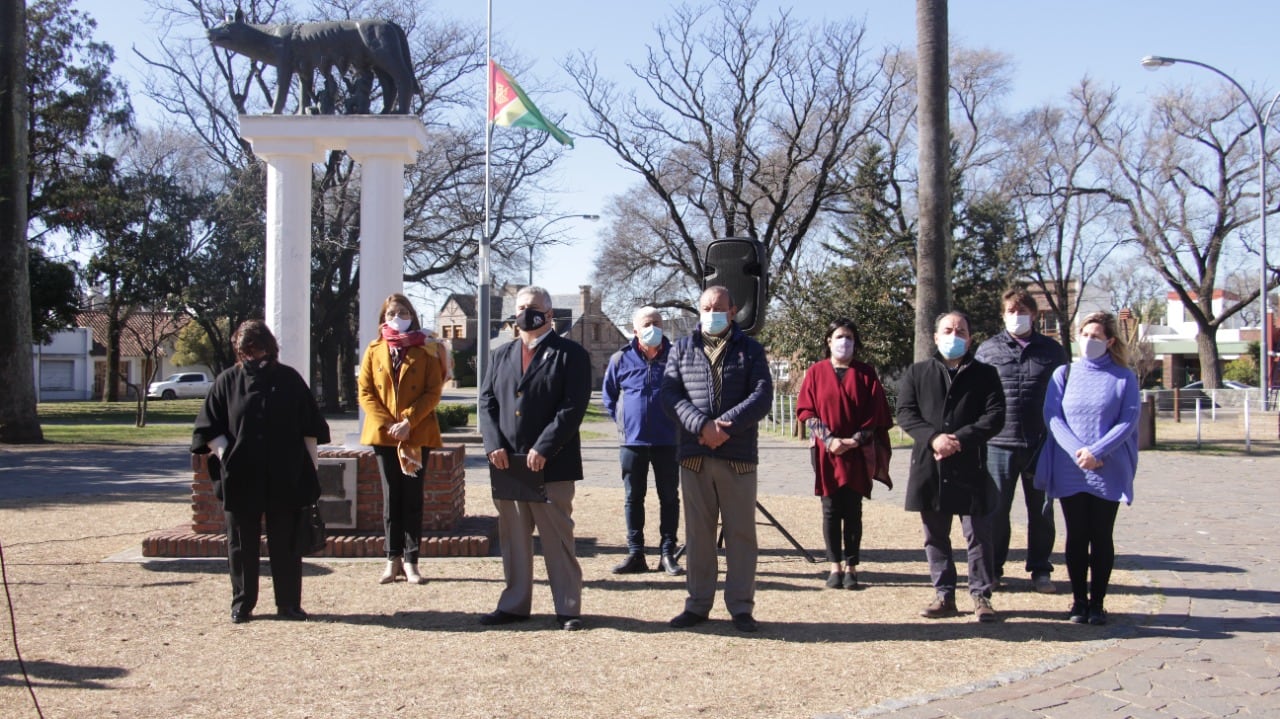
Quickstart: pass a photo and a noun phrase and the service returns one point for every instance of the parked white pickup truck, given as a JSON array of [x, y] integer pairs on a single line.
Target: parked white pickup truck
[[183, 384]]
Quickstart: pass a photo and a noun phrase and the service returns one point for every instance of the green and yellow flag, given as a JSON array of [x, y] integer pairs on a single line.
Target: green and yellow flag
[[510, 107]]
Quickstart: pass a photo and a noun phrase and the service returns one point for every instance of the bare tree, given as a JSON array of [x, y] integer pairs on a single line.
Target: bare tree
[[1185, 179], [741, 133], [18, 420], [932, 243], [1071, 234]]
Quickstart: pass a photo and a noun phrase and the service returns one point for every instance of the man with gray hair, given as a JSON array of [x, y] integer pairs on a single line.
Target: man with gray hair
[[531, 406], [632, 396], [717, 388]]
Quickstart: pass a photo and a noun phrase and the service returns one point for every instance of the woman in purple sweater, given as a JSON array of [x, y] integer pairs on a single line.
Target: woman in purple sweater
[[1090, 457]]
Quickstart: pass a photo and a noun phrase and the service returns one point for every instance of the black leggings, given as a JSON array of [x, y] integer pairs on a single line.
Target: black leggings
[[841, 522], [1090, 522]]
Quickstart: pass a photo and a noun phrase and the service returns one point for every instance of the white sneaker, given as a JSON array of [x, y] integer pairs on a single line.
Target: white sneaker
[[1043, 584]]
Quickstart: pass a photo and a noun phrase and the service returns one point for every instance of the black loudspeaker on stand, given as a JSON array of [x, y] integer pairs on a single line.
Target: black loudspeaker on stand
[[741, 265]]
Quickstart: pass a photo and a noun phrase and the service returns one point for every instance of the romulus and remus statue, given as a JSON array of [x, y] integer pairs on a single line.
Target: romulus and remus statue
[[358, 49]]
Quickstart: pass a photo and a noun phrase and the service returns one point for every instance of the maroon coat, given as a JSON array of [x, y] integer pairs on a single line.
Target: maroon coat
[[845, 407]]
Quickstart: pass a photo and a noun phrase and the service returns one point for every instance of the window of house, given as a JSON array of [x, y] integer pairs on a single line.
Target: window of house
[[595, 333], [447, 331], [458, 333], [1048, 323]]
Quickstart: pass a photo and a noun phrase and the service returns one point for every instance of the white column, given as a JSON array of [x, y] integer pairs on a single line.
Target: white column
[[382, 164], [288, 266]]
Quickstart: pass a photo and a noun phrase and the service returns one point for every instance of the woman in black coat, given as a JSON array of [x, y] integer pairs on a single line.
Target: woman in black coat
[[262, 425]]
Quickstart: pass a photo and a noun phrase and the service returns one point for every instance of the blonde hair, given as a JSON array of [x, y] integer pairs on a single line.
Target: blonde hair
[[1118, 350]]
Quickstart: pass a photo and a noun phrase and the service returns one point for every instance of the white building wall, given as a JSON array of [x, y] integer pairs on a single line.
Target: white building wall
[[63, 368]]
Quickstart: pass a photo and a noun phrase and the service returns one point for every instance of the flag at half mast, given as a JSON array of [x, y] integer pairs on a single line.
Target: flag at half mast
[[510, 107]]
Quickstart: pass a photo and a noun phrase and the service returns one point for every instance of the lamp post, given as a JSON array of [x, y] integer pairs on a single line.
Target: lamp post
[[543, 229], [1155, 62]]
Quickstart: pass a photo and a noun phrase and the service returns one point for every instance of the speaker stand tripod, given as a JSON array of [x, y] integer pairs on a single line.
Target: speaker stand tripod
[[776, 525]]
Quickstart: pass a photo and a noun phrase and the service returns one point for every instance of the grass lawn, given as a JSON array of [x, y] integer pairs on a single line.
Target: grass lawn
[[113, 422]]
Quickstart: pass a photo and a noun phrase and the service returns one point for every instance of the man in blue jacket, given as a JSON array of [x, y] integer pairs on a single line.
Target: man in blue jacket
[[717, 388], [1025, 360], [632, 397]]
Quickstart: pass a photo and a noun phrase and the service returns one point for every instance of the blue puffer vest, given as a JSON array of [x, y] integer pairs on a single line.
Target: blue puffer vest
[[1024, 375]]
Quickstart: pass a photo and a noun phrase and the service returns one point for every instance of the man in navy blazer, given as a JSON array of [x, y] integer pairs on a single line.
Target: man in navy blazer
[[532, 404]]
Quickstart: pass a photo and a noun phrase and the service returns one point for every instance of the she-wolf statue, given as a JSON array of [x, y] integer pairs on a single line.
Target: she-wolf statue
[[358, 46]]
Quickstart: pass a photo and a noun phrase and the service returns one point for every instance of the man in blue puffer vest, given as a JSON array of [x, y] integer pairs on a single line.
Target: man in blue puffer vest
[[1025, 360], [632, 397], [717, 388]]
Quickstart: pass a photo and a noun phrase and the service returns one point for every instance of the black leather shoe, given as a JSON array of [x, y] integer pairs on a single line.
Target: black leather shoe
[[633, 564], [498, 617], [686, 619], [239, 616], [744, 622], [569, 624], [670, 565], [293, 614]]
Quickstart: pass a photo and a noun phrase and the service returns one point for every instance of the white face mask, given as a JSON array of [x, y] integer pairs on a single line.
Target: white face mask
[[651, 336], [1017, 325], [1091, 348], [842, 348], [400, 324]]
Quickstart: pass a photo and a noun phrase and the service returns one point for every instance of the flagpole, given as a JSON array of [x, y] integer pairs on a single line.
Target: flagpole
[[483, 292]]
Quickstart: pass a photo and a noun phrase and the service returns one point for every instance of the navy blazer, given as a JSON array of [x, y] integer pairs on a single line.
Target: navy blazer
[[539, 409]]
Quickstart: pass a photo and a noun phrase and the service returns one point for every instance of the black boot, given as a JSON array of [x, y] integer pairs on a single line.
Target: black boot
[[670, 565], [633, 564]]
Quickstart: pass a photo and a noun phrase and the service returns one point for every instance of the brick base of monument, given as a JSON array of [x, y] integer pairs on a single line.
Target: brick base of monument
[[356, 504]]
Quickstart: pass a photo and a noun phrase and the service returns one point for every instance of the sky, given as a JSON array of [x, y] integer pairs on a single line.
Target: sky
[[1052, 46]]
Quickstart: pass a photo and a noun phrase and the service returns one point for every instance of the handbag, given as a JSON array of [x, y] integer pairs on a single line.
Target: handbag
[[309, 536]]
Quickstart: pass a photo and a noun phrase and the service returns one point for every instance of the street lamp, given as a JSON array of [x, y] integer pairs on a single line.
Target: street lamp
[[1155, 62], [543, 229]]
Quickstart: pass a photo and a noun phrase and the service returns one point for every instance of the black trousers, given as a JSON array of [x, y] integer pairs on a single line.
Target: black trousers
[[842, 525], [1090, 549], [244, 537], [401, 505]]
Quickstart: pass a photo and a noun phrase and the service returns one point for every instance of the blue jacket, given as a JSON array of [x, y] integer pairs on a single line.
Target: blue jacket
[[746, 395], [632, 394], [1024, 376]]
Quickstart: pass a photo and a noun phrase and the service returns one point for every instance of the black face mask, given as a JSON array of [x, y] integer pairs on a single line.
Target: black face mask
[[258, 366], [530, 319]]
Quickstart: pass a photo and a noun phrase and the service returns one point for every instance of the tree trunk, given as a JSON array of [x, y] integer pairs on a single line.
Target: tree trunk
[[112, 393], [1210, 362], [18, 419], [932, 261]]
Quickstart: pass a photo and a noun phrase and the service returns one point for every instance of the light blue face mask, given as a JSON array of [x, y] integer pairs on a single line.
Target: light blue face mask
[[951, 347], [651, 336], [713, 323]]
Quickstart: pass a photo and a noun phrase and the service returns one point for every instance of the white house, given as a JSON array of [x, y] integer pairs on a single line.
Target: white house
[[64, 366]]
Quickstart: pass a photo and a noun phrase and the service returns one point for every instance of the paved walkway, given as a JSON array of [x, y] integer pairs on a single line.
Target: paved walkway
[[1202, 530]]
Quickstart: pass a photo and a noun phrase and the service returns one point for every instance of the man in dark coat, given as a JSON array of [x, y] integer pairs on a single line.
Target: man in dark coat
[[951, 405], [717, 388], [1025, 360], [532, 403]]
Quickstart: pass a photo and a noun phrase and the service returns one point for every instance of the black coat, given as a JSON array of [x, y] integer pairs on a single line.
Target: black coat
[[264, 415], [539, 409], [970, 406]]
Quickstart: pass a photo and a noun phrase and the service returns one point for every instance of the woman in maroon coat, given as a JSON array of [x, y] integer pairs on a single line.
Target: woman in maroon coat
[[843, 405]]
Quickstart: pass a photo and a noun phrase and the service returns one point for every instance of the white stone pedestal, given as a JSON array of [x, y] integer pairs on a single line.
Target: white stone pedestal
[[289, 144]]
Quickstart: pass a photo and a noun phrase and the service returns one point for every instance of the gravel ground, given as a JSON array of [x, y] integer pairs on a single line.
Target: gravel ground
[[108, 638]]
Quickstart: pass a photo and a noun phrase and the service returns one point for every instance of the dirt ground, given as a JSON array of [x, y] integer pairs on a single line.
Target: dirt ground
[[108, 638]]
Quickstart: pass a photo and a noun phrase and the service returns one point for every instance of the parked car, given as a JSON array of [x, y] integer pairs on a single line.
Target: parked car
[[1192, 393], [183, 384]]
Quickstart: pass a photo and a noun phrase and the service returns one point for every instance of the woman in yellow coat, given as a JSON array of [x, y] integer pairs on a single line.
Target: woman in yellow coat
[[401, 379]]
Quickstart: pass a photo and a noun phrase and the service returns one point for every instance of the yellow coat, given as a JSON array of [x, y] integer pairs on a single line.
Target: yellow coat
[[415, 398]]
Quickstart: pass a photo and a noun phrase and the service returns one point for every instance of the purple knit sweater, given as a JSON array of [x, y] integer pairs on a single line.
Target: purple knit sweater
[[1099, 410]]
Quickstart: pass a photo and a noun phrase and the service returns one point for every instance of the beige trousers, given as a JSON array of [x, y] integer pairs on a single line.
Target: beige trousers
[[554, 521], [718, 492]]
